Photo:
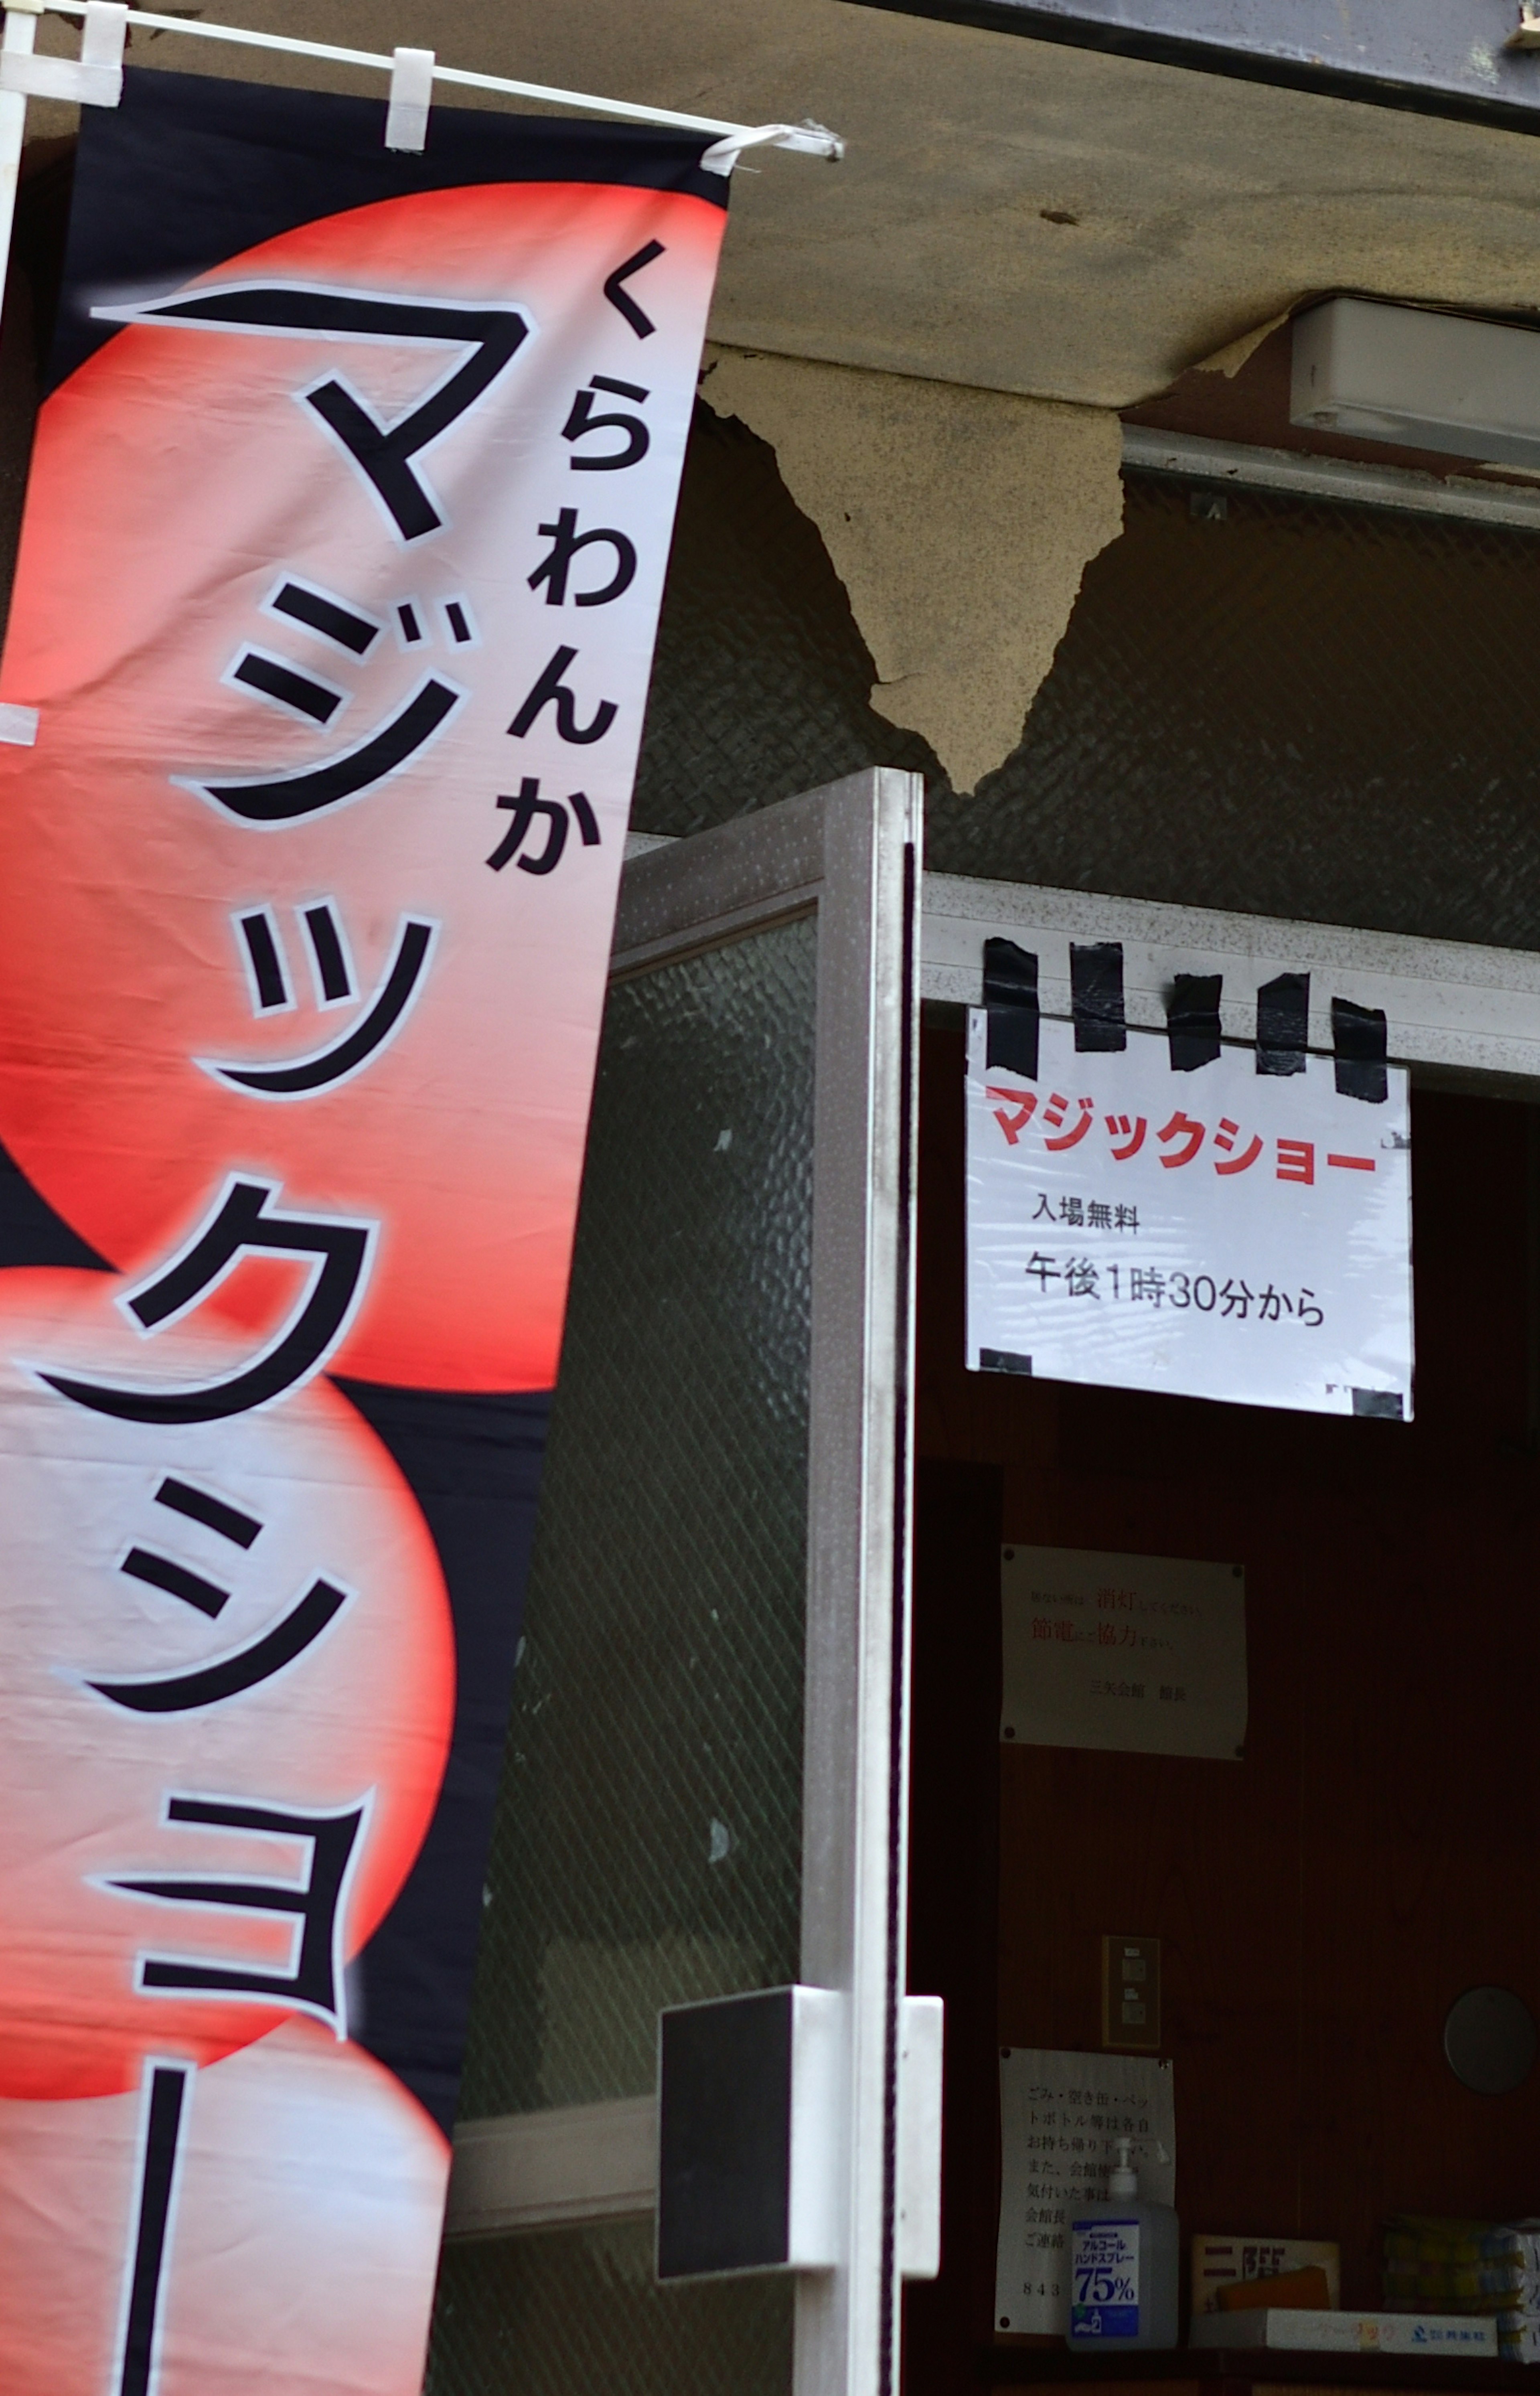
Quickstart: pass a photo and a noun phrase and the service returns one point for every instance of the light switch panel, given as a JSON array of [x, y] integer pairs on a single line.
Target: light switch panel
[[1131, 1993]]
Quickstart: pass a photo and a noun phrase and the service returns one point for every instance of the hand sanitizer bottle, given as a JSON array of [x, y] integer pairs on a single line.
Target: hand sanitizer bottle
[[1124, 2259]]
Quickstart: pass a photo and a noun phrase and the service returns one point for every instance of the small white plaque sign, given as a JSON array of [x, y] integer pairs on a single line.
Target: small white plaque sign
[[1141, 1653], [1059, 2114]]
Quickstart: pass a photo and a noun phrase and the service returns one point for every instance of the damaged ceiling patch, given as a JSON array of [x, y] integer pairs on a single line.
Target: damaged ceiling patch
[[960, 520]]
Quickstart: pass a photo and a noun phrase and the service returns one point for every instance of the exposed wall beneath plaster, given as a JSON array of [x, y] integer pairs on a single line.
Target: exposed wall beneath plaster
[[960, 520]]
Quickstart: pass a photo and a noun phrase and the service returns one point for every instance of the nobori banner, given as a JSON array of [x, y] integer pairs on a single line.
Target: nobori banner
[[339, 576], [1175, 1215]]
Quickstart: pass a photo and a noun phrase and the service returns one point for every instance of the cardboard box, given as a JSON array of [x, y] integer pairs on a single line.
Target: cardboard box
[[1217, 2261], [1461, 2336]]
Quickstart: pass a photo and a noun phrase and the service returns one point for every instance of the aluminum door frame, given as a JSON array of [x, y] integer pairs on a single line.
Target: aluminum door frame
[[853, 852], [850, 854]]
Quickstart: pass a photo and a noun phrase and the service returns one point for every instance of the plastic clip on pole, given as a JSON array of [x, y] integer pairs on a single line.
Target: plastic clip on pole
[[811, 140], [722, 156], [411, 98], [94, 80]]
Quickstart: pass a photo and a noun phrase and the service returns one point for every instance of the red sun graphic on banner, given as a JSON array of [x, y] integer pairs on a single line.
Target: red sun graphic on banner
[[310, 873], [308, 2196], [228, 1664]]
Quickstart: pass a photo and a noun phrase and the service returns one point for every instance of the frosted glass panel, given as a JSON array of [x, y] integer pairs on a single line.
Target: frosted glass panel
[[648, 1845]]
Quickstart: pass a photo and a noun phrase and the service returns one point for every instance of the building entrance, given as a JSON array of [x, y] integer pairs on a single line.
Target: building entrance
[[1322, 1902]]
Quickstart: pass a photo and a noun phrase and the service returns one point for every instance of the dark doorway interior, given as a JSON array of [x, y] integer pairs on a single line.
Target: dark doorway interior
[[1322, 1904]]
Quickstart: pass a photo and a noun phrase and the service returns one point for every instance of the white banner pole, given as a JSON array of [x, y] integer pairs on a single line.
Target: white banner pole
[[63, 80], [812, 140]]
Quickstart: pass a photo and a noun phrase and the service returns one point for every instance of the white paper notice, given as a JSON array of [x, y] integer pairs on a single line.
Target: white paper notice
[[1059, 2114], [1143, 1653], [1222, 1233]]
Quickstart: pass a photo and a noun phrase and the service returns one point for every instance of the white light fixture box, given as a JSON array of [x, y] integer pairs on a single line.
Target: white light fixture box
[[1419, 379]]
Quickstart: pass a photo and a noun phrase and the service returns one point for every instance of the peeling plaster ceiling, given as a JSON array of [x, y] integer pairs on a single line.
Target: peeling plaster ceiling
[[1011, 214]]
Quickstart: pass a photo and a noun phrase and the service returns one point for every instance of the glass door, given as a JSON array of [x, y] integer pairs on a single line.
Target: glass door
[[705, 1784]]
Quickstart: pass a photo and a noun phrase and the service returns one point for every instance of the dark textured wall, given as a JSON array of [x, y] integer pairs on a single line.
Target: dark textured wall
[[762, 680], [1296, 710]]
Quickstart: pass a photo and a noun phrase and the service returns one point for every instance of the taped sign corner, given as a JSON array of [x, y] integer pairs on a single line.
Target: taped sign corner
[[1179, 1216]]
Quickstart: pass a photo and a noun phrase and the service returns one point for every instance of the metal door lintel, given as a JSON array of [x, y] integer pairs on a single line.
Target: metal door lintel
[[1434, 57], [1450, 1004]]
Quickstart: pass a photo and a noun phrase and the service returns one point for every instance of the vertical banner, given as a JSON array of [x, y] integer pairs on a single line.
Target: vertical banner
[[321, 702]]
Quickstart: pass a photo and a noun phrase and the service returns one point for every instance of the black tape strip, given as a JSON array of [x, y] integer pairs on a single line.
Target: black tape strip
[[1192, 1021], [1097, 994], [1011, 997], [1283, 1024], [1360, 1037], [1387, 1403], [1001, 1359]]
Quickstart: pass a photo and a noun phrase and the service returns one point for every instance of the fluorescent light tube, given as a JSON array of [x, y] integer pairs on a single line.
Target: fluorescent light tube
[[1419, 379]]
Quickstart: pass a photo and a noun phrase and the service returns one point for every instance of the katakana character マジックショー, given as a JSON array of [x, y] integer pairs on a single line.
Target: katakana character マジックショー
[[1190, 1134]]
